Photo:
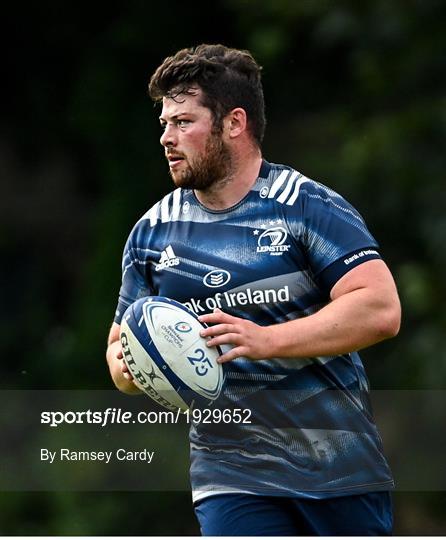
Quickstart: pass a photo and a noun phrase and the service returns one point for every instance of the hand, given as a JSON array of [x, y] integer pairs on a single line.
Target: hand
[[126, 373], [121, 376], [125, 370], [249, 339], [119, 358]]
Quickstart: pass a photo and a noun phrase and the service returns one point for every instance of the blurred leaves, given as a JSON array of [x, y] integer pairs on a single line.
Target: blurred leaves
[[356, 98]]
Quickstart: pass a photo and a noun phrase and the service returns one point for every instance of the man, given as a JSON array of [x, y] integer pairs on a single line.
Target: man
[[290, 282]]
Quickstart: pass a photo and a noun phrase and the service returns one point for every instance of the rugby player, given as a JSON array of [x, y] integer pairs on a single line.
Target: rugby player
[[292, 284]]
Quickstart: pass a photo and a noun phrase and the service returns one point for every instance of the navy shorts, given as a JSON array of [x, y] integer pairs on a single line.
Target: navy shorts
[[237, 514]]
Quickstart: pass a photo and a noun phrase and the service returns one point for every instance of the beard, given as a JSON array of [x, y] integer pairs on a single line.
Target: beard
[[214, 165]]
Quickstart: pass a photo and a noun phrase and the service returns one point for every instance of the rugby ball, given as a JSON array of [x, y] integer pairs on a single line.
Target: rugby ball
[[166, 355]]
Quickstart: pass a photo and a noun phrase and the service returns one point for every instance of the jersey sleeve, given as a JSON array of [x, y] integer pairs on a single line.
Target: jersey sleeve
[[135, 283], [333, 233]]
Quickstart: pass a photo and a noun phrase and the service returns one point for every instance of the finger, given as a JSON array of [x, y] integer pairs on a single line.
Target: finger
[[217, 316], [124, 367], [126, 372], [225, 339], [234, 353], [216, 330]]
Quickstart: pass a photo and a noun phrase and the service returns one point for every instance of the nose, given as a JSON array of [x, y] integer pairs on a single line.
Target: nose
[[168, 137]]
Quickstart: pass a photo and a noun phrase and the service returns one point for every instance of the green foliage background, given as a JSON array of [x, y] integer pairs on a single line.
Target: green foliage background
[[355, 95]]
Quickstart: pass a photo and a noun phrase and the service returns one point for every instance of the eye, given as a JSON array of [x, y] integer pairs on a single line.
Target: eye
[[163, 126], [183, 123]]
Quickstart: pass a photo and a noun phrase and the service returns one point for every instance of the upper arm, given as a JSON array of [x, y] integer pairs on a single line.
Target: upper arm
[[135, 269], [333, 235], [373, 289], [373, 275]]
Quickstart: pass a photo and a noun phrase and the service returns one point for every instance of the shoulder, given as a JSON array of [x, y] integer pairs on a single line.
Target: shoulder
[[166, 210], [286, 185], [290, 188]]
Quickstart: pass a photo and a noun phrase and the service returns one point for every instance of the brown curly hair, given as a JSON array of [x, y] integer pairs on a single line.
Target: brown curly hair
[[229, 78]]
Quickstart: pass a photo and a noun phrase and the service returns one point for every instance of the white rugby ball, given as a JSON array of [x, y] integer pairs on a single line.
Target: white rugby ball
[[166, 355]]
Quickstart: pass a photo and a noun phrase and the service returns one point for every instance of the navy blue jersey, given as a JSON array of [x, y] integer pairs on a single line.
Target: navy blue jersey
[[271, 258]]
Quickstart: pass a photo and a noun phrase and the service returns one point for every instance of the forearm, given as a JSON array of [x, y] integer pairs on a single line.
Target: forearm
[[349, 323], [364, 310]]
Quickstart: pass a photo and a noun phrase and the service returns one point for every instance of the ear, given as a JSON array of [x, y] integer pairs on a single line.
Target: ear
[[236, 122]]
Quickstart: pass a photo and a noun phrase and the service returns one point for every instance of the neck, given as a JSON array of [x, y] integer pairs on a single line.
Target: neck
[[234, 187]]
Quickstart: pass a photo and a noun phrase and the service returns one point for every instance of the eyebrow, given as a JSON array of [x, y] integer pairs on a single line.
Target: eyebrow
[[175, 116]]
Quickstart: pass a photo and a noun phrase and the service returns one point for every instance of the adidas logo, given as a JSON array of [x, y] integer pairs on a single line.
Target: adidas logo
[[167, 259]]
